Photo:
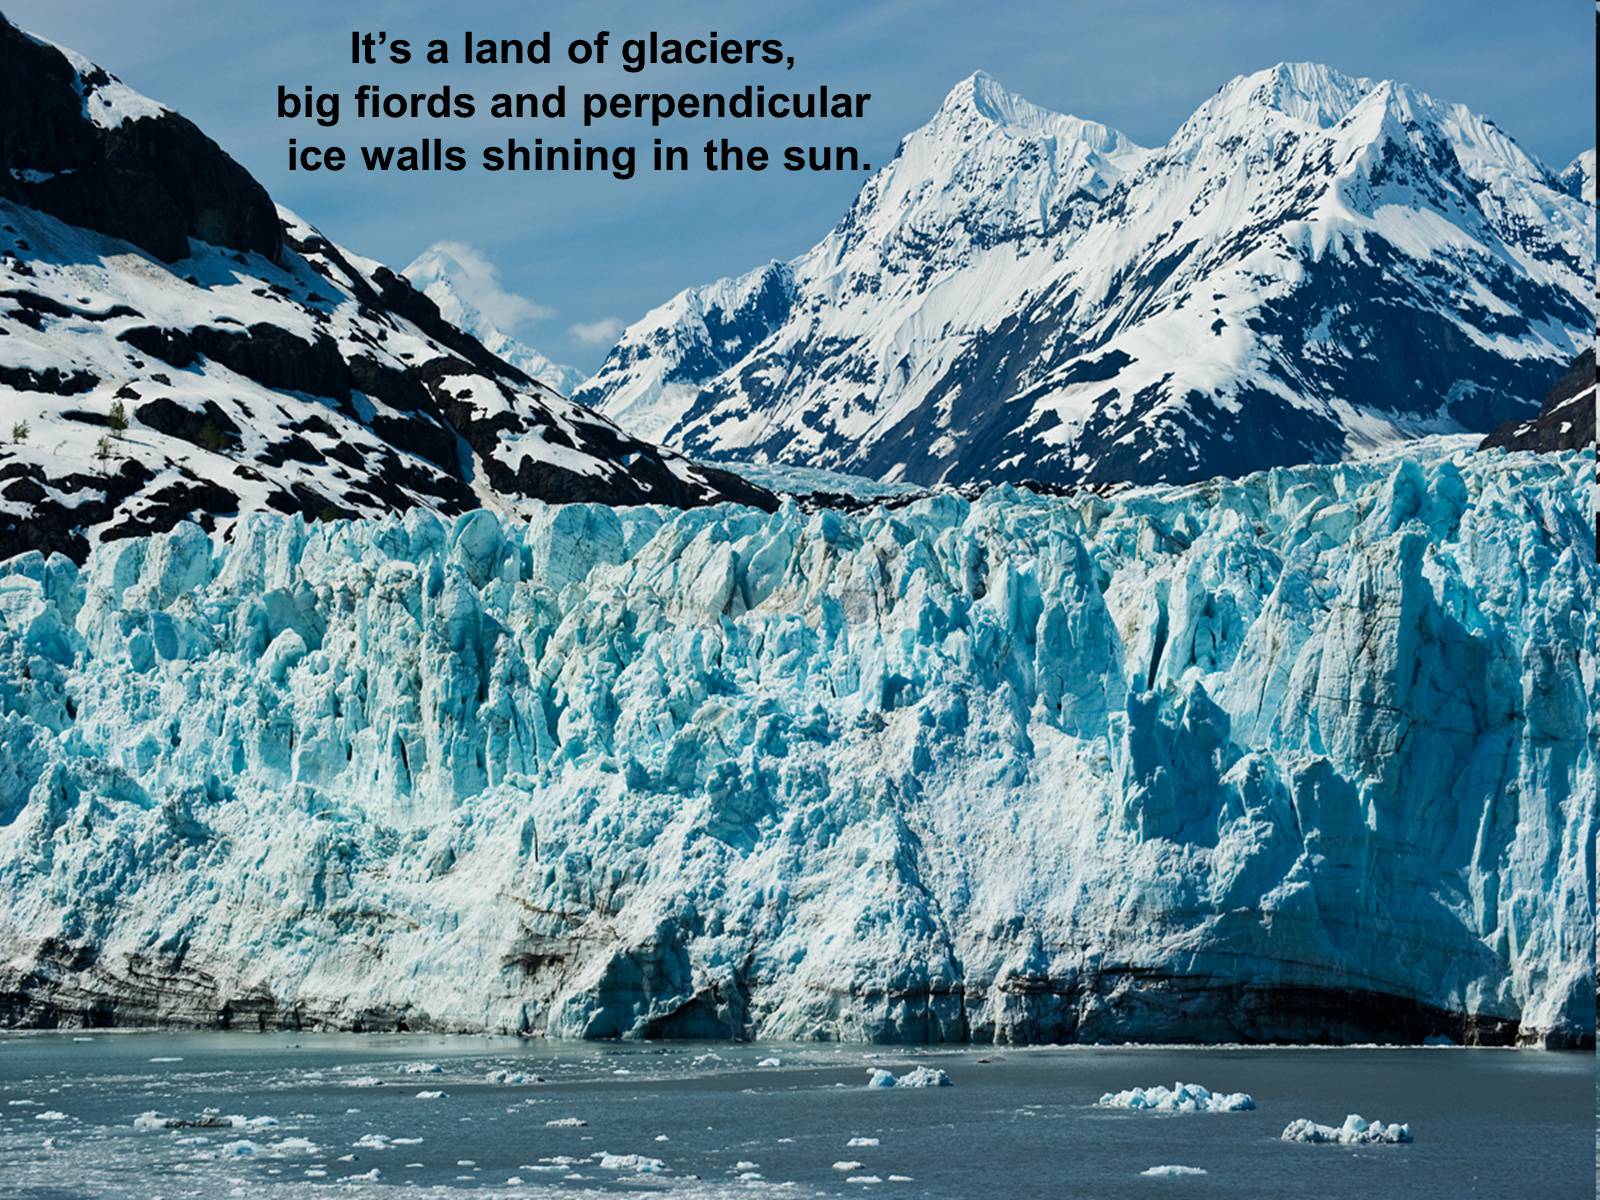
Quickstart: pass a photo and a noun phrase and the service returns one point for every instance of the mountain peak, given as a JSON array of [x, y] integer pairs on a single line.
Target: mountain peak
[[982, 94], [1309, 92]]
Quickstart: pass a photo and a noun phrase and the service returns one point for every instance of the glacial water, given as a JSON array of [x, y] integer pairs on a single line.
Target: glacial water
[[316, 1115]]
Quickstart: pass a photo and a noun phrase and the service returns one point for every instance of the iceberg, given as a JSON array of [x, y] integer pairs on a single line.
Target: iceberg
[[1180, 1097], [1306, 755], [1356, 1131]]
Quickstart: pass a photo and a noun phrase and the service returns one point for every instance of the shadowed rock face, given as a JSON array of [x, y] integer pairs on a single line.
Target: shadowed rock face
[[1566, 419], [155, 181], [1304, 756]]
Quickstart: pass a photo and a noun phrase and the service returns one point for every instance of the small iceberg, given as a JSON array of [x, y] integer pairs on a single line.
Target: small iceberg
[[1356, 1131], [862, 1141], [636, 1164], [513, 1078], [566, 1123], [1180, 1097], [1171, 1171], [917, 1077]]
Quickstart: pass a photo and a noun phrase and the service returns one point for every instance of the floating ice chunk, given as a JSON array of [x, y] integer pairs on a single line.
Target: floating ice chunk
[[923, 1077], [1356, 1131], [745, 1164], [371, 1176], [432, 1095], [239, 1121], [566, 1122], [862, 1141], [1171, 1171], [638, 1164], [879, 1078], [750, 1176], [166, 1058], [243, 1148], [50, 1114], [770, 1062], [901, 1179], [1180, 1097], [513, 1078], [847, 1165], [864, 1179], [22, 1104], [371, 1141], [295, 1145], [420, 1068], [364, 1081], [661, 1137]]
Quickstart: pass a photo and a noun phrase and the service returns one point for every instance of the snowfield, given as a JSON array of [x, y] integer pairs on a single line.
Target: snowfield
[[1303, 755]]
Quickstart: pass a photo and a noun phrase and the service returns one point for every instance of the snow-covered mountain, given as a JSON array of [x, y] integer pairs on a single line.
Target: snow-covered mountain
[[1307, 755], [1578, 177], [1313, 265], [174, 346], [442, 277]]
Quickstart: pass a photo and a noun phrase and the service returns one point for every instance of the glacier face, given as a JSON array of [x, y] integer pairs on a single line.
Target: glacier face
[[1307, 754]]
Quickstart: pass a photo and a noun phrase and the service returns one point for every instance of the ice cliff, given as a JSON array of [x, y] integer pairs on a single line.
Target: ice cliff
[[1306, 755]]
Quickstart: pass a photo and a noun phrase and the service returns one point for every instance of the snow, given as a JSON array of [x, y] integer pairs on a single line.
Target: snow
[[998, 768], [1180, 1097], [1356, 1131]]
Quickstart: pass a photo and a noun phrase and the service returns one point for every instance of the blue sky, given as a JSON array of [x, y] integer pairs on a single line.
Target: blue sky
[[587, 252]]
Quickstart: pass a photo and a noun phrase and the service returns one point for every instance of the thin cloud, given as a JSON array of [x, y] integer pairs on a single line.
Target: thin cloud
[[477, 281], [597, 333]]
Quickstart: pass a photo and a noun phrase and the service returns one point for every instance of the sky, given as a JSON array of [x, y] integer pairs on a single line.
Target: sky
[[568, 259]]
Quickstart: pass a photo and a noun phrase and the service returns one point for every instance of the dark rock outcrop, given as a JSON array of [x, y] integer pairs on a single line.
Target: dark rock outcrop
[[1565, 420]]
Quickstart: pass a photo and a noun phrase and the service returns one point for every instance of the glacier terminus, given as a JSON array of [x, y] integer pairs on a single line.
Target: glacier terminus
[[1305, 756]]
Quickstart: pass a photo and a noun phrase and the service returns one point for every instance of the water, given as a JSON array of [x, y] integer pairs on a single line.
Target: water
[[1016, 1123]]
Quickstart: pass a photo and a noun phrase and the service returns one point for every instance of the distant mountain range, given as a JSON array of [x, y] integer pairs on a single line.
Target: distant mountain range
[[1313, 265], [440, 275], [174, 346]]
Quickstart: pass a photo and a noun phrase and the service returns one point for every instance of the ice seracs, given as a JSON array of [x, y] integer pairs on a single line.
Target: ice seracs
[[642, 772]]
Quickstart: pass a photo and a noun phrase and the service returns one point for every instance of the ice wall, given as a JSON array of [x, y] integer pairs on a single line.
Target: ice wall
[[1306, 755]]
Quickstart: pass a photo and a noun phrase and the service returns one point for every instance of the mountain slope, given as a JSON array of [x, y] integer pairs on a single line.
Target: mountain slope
[[172, 346], [1314, 264], [1566, 419]]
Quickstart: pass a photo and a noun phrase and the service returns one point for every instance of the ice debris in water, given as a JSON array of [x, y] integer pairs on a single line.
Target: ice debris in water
[[917, 1077], [434, 1095], [1356, 1131], [420, 1068], [862, 1141], [566, 1122], [1171, 1171], [637, 1164], [847, 1165], [513, 1078], [770, 1062], [1180, 1097]]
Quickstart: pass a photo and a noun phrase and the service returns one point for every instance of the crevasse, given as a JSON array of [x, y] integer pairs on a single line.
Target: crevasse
[[1308, 754]]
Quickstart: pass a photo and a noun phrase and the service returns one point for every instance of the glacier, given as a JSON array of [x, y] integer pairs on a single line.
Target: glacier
[[1306, 755]]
